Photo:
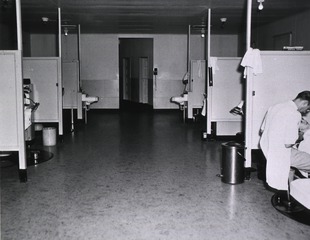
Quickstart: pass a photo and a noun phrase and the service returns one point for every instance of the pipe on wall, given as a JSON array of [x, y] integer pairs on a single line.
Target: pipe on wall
[[209, 93], [19, 26], [249, 93], [248, 24], [79, 55], [188, 48], [59, 32]]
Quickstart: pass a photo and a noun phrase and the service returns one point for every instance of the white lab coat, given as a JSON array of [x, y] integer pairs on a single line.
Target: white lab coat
[[280, 127]]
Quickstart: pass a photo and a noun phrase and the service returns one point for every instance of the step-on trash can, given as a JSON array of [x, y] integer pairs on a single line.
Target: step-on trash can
[[49, 136], [232, 165]]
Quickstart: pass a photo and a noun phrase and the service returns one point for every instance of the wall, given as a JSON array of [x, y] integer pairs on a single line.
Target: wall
[[224, 46], [100, 64], [70, 47], [8, 39], [170, 58], [296, 24], [43, 45], [99, 68], [8, 32]]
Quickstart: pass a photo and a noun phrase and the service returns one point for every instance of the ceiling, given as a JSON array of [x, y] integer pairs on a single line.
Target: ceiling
[[149, 16]]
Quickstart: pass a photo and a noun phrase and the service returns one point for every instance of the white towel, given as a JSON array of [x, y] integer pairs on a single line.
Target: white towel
[[253, 60], [204, 108], [199, 69]]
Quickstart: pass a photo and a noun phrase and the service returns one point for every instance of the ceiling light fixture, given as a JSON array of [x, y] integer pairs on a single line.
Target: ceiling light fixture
[[223, 21], [45, 19], [66, 31], [260, 5]]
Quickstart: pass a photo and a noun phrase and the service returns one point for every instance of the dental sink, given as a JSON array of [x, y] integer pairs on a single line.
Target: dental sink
[[88, 100], [180, 99]]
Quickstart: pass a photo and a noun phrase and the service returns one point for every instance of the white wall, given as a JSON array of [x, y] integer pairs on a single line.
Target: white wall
[[100, 70], [43, 45], [170, 58], [224, 45]]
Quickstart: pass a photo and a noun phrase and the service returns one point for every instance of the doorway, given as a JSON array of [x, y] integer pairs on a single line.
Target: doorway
[[136, 72]]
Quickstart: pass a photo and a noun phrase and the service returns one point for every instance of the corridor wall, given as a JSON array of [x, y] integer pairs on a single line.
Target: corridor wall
[[100, 64]]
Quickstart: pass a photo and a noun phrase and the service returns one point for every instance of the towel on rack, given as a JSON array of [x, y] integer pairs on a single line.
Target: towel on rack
[[204, 108], [199, 69], [253, 60]]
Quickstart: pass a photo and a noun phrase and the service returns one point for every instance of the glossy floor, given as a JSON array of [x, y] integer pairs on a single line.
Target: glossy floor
[[134, 175]]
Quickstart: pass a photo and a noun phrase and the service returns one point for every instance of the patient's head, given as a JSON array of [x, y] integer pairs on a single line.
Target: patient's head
[[304, 125], [306, 117]]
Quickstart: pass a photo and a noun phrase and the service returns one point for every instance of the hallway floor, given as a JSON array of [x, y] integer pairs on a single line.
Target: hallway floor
[[137, 176]]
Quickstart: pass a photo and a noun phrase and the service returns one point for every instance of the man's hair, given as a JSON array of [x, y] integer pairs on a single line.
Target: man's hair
[[305, 95]]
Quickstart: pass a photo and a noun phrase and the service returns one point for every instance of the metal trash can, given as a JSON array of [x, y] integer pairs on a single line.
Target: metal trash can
[[49, 136], [232, 165]]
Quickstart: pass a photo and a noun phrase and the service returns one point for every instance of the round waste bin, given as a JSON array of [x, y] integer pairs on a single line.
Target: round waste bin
[[49, 136], [232, 166]]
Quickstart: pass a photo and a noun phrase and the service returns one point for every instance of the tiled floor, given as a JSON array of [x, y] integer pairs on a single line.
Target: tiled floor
[[135, 176]]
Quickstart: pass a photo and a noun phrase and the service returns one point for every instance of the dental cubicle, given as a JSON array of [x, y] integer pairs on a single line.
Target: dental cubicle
[[284, 75], [224, 93], [225, 90], [45, 75], [191, 101], [75, 98]]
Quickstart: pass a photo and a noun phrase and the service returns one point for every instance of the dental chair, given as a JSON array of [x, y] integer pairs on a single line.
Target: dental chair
[[238, 110], [295, 202]]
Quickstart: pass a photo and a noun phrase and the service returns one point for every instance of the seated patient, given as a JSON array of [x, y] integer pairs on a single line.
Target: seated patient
[[304, 145], [300, 157]]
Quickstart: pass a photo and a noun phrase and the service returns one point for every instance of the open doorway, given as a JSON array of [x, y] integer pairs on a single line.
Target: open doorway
[[136, 72]]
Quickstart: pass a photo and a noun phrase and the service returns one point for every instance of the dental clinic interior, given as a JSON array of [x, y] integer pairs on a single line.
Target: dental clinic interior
[[140, 120]]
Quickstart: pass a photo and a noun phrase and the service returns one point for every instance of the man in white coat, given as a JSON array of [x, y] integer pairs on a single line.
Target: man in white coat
[[279, 133]]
